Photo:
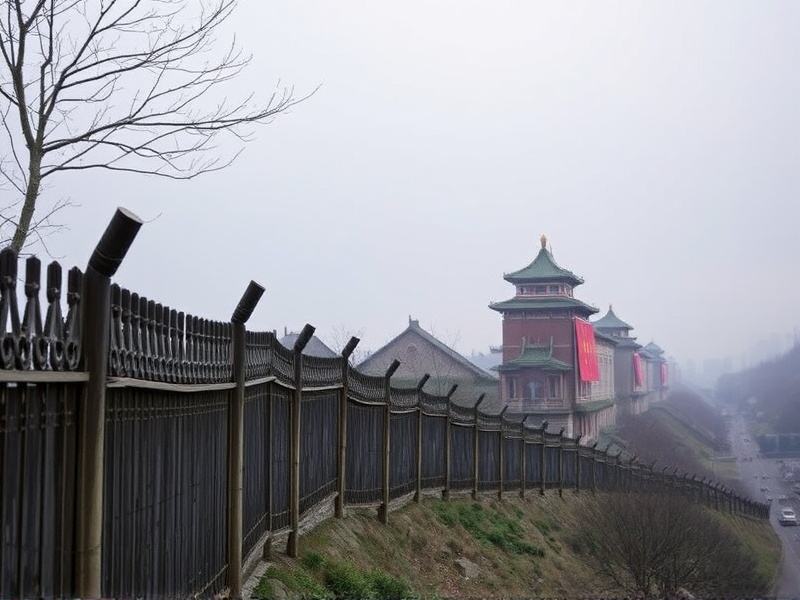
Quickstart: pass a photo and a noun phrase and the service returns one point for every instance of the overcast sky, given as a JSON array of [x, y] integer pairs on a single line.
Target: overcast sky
[[656, 144]]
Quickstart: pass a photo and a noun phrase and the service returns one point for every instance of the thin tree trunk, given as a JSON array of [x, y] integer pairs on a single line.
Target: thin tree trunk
[[28, 207]]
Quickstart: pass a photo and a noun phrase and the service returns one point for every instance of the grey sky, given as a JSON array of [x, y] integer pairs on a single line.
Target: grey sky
[[657, 144]]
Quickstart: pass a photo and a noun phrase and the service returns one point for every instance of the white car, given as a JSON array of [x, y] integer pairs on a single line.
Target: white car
[[788, 517]]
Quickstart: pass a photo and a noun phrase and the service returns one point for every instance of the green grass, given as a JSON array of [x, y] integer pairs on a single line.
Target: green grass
[[487, 527], [297, 580], [316, 577]]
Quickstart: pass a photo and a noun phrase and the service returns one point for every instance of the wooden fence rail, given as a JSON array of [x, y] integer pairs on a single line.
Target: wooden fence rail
[[148, 452]]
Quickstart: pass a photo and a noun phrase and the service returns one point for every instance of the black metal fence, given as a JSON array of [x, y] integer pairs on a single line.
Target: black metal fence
[[147, 452]]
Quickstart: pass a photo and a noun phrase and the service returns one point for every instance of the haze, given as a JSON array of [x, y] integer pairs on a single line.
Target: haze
[[657, 144]]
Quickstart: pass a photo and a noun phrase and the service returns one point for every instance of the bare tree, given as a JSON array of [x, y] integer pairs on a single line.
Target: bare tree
[[120, 85]]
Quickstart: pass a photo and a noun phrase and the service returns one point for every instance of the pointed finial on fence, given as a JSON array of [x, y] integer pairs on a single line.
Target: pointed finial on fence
[[350, 347], [452, 391], [561, 433], [480, 400], [392, 368], [304, 337], [544, 427], [423, 381], [503, 412], [247, 303], [115, 242]]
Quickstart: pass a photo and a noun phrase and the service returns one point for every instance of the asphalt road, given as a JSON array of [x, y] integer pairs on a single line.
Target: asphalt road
[[758, 473]]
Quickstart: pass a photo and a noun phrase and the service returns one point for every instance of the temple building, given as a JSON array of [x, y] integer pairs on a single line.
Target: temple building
[[420, 353], [640, 373], [555, 367]]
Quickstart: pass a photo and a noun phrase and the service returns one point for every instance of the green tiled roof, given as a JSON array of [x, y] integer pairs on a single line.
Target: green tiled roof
[[547, 303], [654, 349], [543, 269], [611, 321], [538, 357]]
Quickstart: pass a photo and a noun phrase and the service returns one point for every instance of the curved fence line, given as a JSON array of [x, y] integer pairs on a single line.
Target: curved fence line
[[300, 430]]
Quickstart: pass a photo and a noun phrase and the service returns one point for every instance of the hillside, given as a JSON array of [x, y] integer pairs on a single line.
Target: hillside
[[516, 547], [532, 547]]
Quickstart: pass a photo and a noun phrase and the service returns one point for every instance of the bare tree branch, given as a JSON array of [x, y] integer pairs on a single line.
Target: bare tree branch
[[135, 86]]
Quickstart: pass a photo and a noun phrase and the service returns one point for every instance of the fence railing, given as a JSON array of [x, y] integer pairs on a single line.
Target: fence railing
[[148, 452]]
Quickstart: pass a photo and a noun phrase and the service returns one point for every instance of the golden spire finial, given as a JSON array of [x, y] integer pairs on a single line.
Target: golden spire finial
[[543, 239]]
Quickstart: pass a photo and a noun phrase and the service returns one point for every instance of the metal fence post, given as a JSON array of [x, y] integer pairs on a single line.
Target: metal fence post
[[387, 441], [96, 309], [561, 463], [420, 385], [341, 480], [292, 546], [578, 464], [543, 460], [448, 446], [522, 469], [240, 316], [475, 456], [501, 454]]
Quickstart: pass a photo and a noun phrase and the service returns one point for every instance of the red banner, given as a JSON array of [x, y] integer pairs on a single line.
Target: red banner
[[587, 351], [664, 374], [638, 377]]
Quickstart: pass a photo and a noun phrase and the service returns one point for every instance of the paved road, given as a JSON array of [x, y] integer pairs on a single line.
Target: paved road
[[758, 473]]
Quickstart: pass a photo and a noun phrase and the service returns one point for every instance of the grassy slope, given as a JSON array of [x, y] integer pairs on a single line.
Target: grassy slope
[[536, 557], [422, 542]]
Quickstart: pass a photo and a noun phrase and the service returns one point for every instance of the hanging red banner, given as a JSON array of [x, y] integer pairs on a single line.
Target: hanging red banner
[[664, 374], [587, 351], [638, 376]]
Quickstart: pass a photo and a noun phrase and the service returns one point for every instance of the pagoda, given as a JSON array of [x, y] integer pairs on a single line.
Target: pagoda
[[539, 374], [627, 362]]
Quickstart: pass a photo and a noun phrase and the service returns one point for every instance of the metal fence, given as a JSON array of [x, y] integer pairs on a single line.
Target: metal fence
[[148, 452]]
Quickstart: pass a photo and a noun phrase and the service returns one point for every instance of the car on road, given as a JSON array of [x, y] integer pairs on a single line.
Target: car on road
[[788, 517]]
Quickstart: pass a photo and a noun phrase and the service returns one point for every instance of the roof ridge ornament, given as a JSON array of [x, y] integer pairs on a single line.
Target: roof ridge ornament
[[543, 240]]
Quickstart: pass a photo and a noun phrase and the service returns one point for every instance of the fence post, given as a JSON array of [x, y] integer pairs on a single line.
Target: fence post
[[631, 475], [448, 446], [341, 481], [543, 459], [240, 316], [292, 545], [475, 456], [578, 464], [561, 463], [238, 355], [420, 385], [387, 440], [522, 462], [266, 552], [594, 468], [96, 309], [501, 453]]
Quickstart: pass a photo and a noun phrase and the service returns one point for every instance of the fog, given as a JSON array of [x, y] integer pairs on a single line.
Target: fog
[[656, 144]]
